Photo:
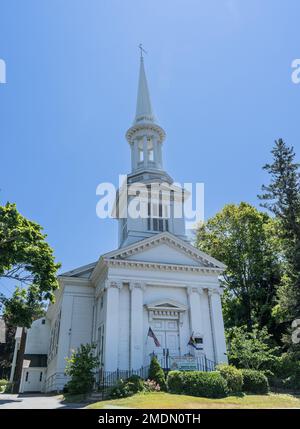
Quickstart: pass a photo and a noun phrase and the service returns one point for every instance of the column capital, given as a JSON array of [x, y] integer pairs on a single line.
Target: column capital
[[113, 284], [214, 291], [137, 285], [198, 290]]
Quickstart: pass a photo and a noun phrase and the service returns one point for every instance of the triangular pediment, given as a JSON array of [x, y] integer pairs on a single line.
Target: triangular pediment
[[165, 248], [166, 304]]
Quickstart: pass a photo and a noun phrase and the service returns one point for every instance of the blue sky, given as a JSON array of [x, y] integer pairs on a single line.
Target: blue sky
[[220, 79]]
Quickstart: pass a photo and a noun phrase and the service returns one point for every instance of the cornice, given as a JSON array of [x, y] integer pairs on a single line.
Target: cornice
[[137, 128], [125, 263], [75, 281]]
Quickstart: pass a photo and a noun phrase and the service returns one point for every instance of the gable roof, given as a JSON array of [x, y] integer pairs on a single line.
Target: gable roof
[[83, 271]]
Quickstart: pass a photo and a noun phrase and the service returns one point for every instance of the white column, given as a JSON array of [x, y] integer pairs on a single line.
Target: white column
[[136, 153], [196, 322], [155, 153], [159, 145], [145, 150], [136, 326], [217, 324], [111, 327], [133, 161]]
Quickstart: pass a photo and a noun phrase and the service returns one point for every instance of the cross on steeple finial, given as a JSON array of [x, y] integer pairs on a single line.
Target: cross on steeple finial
[[142, 50]]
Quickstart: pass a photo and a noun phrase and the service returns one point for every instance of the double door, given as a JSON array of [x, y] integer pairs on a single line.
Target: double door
[[167, 333]]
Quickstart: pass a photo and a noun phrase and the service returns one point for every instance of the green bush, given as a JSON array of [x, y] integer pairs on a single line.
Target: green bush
[[3, 382], [287, 372], [5, 386], [156, 373], [80, 367], [254, 381], [129, 387], [233, 376], [197, 383]]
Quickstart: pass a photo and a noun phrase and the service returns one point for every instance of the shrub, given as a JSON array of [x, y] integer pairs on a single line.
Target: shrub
[[80, 367], [233, 376], [254, 381], [129, 387], [253, 350], [151, 386], [3, 382], [136, 382], [156, 373], [121, 390], [5, 386], [197, 383], [287, 372]]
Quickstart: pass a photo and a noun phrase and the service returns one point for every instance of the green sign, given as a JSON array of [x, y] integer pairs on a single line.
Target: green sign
[[183, 363]]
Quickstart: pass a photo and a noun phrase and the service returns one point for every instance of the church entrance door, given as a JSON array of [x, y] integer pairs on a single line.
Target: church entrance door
[[167, 334]]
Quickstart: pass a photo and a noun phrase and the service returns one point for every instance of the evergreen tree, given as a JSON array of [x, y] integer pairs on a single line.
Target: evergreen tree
[[282, 197], [156, 373]]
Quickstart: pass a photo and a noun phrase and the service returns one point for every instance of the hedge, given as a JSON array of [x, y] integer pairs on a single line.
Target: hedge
[[197, 383], [233, 376], [254, 381]]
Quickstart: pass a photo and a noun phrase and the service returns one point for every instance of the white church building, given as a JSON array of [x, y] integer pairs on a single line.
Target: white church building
[[154, 279]]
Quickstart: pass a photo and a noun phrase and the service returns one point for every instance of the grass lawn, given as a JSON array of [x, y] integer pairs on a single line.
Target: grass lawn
[[167, 400]]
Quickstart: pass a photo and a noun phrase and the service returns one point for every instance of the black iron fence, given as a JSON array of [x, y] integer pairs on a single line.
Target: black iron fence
[[105, 380], [204, 364]]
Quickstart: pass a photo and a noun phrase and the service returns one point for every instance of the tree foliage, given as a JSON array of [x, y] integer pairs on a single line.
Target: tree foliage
[[246, 241], [282, 197], [252, 350], [156, 373], [26, 258]]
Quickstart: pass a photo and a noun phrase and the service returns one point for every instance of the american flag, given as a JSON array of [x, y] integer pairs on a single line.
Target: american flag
[[152, 335]]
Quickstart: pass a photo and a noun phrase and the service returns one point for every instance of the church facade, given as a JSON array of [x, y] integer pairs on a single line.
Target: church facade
[[156, 293]]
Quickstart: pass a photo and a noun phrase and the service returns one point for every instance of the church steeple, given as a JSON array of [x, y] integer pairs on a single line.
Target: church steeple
[[145, 136], [144, 111]]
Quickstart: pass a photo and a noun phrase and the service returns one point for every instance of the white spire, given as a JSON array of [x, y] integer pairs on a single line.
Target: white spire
[[144, 111]]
